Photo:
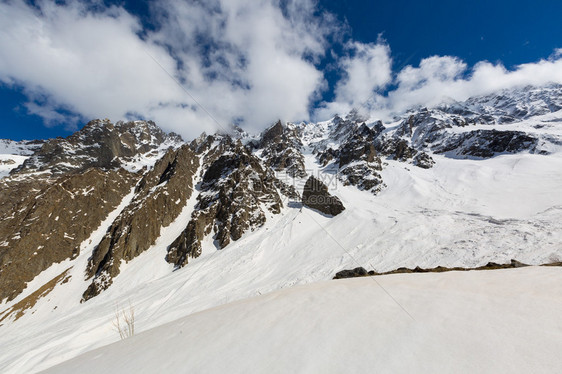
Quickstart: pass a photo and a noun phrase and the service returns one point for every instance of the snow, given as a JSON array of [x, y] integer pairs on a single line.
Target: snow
[[458, 213], [148, 159], [9, 162], [21, 148], [462, 322]]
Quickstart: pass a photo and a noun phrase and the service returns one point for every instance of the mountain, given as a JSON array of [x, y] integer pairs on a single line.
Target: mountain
[[121, 213]]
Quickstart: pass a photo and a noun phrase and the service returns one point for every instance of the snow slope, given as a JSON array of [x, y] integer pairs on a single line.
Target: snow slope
[[13, 154], [9, 162], [458, 213], [462, 322], [22, 148]]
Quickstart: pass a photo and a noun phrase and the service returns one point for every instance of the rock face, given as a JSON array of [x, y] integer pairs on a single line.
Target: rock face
[[52, 202], [44, 221], [282, 149], [455, 135], [356, 157], [487, 143], [316, 196], [159, 198], [235, 193], [100, 144]]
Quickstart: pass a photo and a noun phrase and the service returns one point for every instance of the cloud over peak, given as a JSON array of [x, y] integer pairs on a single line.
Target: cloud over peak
[[240, 60], [204, 65]]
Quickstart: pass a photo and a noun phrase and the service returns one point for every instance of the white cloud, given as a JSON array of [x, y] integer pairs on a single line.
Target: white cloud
[[432, 69], [252, 61], [443, 77], [367, 69], [436, 79], [258, 64]]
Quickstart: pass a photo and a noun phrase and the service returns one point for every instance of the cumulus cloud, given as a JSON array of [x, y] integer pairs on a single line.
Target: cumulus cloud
[[434, 80], [206, 64], [366, 70], [241, 60], [440, 78]]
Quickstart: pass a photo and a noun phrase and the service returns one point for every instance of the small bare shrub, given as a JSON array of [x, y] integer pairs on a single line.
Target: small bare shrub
[[124, 321]]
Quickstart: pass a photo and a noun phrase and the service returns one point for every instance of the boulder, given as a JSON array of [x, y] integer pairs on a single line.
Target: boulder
[[316, 196]]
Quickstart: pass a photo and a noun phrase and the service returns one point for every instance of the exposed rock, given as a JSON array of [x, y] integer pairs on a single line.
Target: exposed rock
[[99, 144], [357, 157], [44, 221], [486, 143], [233, 194], [399, 149], [363, 176], [273, 134], [281, 149], [423, 160], [359, 147], [357, 272], [361, 272], [19, 309], [316, 196], [160, 196]]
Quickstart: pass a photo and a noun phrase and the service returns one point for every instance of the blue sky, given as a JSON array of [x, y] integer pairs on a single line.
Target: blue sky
[[251, 62]]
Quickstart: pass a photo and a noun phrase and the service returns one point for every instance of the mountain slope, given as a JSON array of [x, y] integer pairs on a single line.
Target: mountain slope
[[463, 322], [196, 225]]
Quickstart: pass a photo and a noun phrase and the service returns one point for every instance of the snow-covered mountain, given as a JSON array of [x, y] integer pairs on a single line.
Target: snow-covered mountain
[[123, 213]]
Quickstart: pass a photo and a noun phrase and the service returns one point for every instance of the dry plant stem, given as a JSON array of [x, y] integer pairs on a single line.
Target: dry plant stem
[[124, 321]]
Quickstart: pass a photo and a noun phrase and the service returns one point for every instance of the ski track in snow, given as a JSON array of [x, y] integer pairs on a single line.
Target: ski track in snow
[[459, 213]]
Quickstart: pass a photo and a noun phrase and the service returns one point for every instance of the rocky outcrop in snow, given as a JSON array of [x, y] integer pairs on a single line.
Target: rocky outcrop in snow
[[44, 221], [281, 148], [160, 196], [100, 144], [235, 193], [316, 196]]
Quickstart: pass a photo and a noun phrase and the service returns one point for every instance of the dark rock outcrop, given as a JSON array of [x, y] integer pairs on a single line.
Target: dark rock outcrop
[[361, 272], [316, 196], [100, 144], [399, 149], [234, 192], [357, 158], [281, 149], [354, 273], [160, 196], [486, 143]]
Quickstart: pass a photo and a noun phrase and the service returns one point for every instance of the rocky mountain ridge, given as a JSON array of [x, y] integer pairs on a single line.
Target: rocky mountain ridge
[[231, 183]]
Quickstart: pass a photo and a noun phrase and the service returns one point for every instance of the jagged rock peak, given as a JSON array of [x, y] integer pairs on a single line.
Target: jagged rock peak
[[509, 105], [235, 194], [272, 134], [159, 198], [282, 149], [100, 143]]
